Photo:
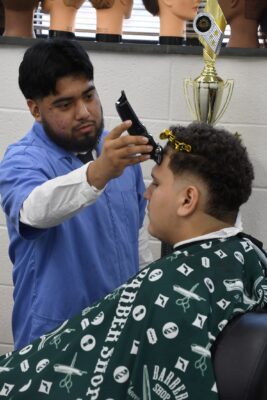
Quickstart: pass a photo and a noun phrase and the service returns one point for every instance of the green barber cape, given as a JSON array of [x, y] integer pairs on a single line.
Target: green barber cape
[[149, 339]]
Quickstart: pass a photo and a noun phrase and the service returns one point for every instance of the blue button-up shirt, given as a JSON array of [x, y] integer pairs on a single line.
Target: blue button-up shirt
[[60, 270]]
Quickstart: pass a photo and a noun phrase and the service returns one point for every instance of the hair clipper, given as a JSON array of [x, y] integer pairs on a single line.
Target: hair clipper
[[126, 112]]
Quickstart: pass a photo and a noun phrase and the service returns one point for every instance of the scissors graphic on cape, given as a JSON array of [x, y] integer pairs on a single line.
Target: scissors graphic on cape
[[187, 296], [201, 363], [69, 370]]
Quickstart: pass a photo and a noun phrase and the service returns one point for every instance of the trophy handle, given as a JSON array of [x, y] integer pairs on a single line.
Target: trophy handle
[[230, 85], [188, 82]]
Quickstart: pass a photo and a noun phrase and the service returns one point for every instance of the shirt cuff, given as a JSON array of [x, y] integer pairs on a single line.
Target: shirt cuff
[[84, 173]]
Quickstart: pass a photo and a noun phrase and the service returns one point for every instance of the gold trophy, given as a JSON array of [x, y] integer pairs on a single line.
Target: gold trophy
[[208, 103]]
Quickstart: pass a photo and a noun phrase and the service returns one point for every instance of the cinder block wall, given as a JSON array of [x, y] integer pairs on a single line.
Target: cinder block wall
[[154, 86]]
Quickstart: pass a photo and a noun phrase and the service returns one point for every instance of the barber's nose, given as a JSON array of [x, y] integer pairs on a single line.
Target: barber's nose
[[82, 111]]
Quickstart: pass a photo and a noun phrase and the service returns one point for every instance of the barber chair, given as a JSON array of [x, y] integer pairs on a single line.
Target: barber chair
[[240, 358]]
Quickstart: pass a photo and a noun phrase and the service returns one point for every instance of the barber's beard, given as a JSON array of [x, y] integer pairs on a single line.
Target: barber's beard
[[70, 143]]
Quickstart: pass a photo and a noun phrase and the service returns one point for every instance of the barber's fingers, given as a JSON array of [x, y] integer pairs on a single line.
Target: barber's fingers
[[119, 129], [134, 160], [133, 151], [115, 139]]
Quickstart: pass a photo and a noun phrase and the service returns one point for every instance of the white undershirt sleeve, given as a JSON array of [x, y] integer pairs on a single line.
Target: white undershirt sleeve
[[58, 199]]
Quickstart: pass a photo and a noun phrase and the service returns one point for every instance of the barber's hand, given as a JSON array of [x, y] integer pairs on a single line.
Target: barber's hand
[[117, 153]]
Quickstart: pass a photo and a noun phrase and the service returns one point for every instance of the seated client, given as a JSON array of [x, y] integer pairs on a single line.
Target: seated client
[[152, 337]]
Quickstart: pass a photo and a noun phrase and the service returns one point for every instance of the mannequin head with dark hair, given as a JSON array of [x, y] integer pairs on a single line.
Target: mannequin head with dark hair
[[246, 18], [110, 15], [2, 18], [18, 20], [62, 16], [173, 14]]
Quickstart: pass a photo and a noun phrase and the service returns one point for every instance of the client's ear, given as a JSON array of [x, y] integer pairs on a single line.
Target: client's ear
[[188, 201], [34, 109]]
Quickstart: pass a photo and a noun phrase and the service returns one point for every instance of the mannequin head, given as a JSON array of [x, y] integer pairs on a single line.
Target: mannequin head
[[99, 4], [2, 18], [263, 26], [173, 14], [19, 17], [104, 4], [62, 14], [183, 9], [20, 5], [244, 17], [110, 15]]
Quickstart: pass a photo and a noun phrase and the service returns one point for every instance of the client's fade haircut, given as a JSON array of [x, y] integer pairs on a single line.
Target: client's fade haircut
[[49, 60], [220, 160]]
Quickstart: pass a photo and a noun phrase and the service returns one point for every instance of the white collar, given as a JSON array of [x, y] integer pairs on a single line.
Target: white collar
[[221, 234], [94, 153]]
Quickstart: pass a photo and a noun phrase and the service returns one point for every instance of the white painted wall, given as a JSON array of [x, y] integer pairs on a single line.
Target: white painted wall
[[153, 84]]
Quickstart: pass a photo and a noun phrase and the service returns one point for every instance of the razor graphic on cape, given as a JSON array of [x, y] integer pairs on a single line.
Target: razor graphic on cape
[[126, 112]]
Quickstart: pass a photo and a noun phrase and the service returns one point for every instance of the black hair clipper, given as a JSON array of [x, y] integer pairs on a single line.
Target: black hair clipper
[[126, 112]]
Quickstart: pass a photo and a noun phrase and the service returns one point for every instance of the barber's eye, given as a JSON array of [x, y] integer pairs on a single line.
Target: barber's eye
[[63, 106], [89, 96]]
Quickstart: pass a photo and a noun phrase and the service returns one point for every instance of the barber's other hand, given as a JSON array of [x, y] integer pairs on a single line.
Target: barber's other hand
[[118, 152]]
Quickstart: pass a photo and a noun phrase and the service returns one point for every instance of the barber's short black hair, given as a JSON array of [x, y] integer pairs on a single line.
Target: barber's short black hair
[[49, 60], [220, 160]]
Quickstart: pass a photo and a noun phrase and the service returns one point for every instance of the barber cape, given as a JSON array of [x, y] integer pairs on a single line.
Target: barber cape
[[149, 339]]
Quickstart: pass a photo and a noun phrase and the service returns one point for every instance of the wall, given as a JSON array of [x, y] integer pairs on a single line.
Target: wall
[[153, 83]]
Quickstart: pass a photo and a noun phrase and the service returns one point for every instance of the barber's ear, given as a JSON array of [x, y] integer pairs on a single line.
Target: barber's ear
[[34, 109], [188, 201]]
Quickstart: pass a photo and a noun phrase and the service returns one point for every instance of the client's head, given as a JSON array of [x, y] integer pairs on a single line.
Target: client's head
[[204, 178]]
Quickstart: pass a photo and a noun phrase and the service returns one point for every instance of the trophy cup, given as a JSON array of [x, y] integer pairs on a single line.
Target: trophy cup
[[208, 102]]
